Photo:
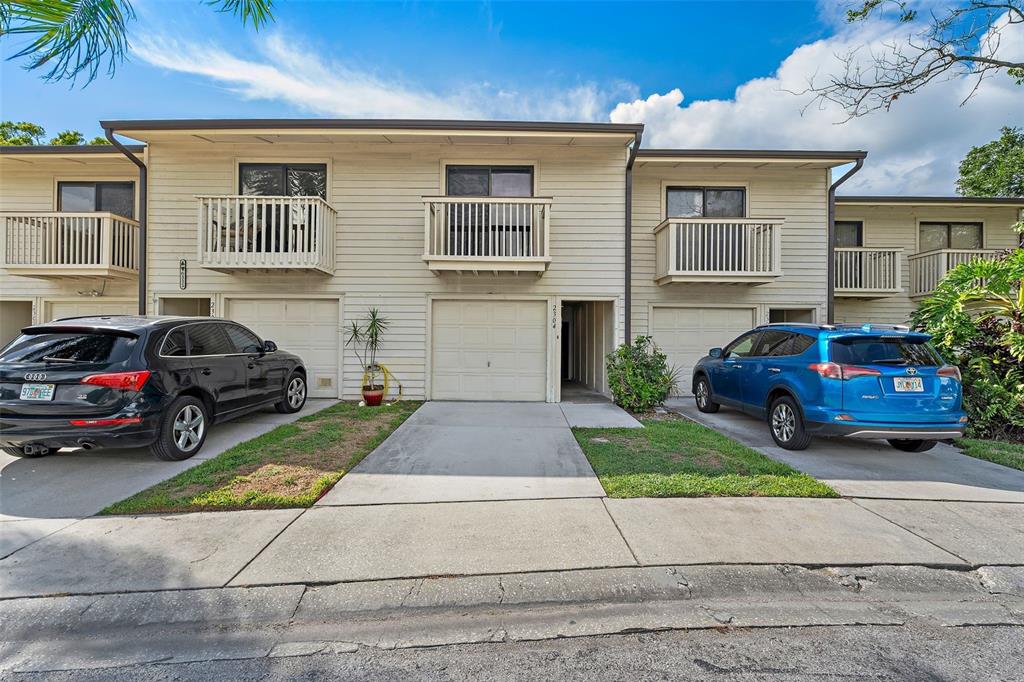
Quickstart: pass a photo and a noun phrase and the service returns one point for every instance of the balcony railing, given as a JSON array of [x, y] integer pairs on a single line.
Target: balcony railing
[[238, 233], [729, 250], [927, 269], [64, 244], [868, 273], [487, 234]]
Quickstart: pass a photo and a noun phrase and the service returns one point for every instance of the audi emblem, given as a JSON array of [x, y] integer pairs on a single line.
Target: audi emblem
[[35, 376], [911, 371]]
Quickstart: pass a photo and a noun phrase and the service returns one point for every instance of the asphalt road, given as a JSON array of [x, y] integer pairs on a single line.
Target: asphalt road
[[916, 651]]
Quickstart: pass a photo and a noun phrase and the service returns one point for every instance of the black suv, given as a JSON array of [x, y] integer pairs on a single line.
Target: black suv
[[124, 381]]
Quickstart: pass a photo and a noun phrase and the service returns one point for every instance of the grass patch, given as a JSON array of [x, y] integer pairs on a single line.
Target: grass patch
[[679, 458], [290, 466], [998, 451]]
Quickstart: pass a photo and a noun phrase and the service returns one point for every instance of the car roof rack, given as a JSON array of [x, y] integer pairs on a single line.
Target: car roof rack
[[872, 325], [809, 325]]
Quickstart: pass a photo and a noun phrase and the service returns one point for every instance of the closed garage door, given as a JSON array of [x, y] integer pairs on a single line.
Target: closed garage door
[[489, 350], [306, 327], [90, 306], [686, 334]]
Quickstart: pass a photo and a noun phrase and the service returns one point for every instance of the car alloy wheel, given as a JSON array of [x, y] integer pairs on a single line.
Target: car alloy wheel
[[783, 422], [189, 426], [296, 393], [702, 393]]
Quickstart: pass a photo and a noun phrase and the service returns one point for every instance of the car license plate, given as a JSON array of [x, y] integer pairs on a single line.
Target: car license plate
[[37, 391], [909, 384]]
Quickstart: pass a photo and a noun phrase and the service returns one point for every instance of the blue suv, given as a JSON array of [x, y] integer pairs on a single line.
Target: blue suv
[[862, 381]]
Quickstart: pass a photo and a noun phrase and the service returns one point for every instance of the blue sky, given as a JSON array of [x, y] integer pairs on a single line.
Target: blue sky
[[699, 74]]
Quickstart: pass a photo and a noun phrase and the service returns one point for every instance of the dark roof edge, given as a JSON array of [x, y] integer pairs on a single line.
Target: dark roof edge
[[374, 124], [881, 199], [67, 149], [852, 155]]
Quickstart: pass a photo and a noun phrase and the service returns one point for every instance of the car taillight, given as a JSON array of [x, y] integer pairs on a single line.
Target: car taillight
[[950, 371], [126, 381], [119, 421], [832, 370]]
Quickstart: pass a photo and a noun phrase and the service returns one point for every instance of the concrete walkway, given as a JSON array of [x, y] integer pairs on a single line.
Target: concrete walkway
[[874, 469]]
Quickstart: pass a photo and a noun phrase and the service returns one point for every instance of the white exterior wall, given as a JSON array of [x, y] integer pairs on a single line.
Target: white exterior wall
[[797, 195], [32, 186], [896, 226], [376, 190]]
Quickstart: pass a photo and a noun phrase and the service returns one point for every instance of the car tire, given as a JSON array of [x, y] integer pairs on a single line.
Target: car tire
[[702, 393], [787, 424], [294, 394], [912, 445], [18, 452], [183, 429]]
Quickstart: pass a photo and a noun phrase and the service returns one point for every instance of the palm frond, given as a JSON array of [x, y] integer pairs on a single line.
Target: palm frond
[[256, 11]]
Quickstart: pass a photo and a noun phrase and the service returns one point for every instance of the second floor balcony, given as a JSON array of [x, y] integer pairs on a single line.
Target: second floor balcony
[[487, 234], [927, 269], [862, 272], [239, 233], [721, 250], [67, 244]]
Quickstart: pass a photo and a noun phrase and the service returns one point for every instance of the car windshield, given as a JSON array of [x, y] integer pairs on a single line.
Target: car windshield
[[880, 350], [69, 348]]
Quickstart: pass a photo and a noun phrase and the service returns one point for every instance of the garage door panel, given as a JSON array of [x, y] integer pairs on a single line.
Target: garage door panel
[[489, 350], [686, 334]]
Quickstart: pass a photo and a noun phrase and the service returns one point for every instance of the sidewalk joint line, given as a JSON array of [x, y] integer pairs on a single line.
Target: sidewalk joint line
[[320, 505], [917, 535], [604, 503], [264, 548]]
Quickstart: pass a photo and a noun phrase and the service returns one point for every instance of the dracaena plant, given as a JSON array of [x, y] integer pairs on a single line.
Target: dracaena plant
[[366, 337]]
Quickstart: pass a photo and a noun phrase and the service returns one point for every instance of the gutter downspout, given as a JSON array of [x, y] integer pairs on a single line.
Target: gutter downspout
[[629, 234], [143, 183], [830, 269]]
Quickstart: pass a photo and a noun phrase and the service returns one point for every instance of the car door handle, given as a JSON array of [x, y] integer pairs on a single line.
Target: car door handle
[[774, 369], [205, 371], [252, 365]]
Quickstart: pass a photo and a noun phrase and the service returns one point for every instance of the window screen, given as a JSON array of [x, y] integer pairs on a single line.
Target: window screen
[[934, 235], [849, 233]]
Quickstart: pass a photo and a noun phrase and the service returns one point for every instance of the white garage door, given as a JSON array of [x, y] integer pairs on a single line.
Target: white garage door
[[686, 334], [489, 350], [306, 327], [89, 306]]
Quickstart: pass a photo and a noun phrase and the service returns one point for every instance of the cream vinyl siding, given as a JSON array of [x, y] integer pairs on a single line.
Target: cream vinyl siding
[[685, 334], [377, 190], [33, 187], [897, 226], [797, 195]]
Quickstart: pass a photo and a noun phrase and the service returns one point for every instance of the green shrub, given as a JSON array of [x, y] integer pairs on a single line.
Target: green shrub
[[639, 376]]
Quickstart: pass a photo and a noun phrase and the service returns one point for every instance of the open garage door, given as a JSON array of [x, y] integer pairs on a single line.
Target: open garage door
[[306, 327], [489, 350], [686, 334]]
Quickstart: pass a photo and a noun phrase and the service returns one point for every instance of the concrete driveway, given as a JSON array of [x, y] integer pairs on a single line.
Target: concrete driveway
[[461, 452], [858, 468]]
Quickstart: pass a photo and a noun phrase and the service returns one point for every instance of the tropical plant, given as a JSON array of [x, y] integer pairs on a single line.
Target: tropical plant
[[996, 168], [70, 37], [366, 338], [638, 375], [21, 133]]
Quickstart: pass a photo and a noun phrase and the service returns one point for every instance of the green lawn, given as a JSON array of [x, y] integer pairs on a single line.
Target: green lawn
[[1000, 452], [291, 466], [679, 458]]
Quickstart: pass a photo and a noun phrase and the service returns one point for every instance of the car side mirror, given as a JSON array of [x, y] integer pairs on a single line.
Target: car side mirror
[[715, 353], [269, 347]]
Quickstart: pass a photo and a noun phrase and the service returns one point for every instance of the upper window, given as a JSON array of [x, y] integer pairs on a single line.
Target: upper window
[[849, 233], [243, 340], [741, 347], [706, 202], [490, 181], [283, 179], [85, 197], [208, 338], [950, 236]]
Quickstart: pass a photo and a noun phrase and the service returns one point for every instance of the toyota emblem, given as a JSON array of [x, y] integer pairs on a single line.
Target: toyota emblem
[[911, 371], [35, 376]]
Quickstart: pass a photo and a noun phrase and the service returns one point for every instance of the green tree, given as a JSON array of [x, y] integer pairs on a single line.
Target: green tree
[[20, 133], [99, 140], [69, 38], [996, 168], [68, 137]]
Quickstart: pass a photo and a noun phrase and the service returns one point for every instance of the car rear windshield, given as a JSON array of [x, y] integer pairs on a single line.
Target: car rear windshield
[[69, 348], [881, 350]]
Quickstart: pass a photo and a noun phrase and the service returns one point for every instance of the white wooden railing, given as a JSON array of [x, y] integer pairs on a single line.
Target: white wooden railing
[[927, 269], [864, 271], [255, 232], [487, 233], [734, 250], [56, 243]]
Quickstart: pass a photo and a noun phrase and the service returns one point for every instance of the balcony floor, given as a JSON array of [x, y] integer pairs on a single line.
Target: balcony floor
[[479, 264], [71, 271]]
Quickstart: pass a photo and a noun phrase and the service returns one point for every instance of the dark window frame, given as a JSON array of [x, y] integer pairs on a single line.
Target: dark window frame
[[860, 231], [703, 189], [490, 168], [948, 224], [97, 186], [284, 166]]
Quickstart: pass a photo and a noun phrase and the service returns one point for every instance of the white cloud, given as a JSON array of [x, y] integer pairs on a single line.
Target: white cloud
[[913, 148], [281, 71]]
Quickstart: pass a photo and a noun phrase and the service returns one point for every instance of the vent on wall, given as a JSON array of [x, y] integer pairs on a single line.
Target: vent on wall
[[324, 382]]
